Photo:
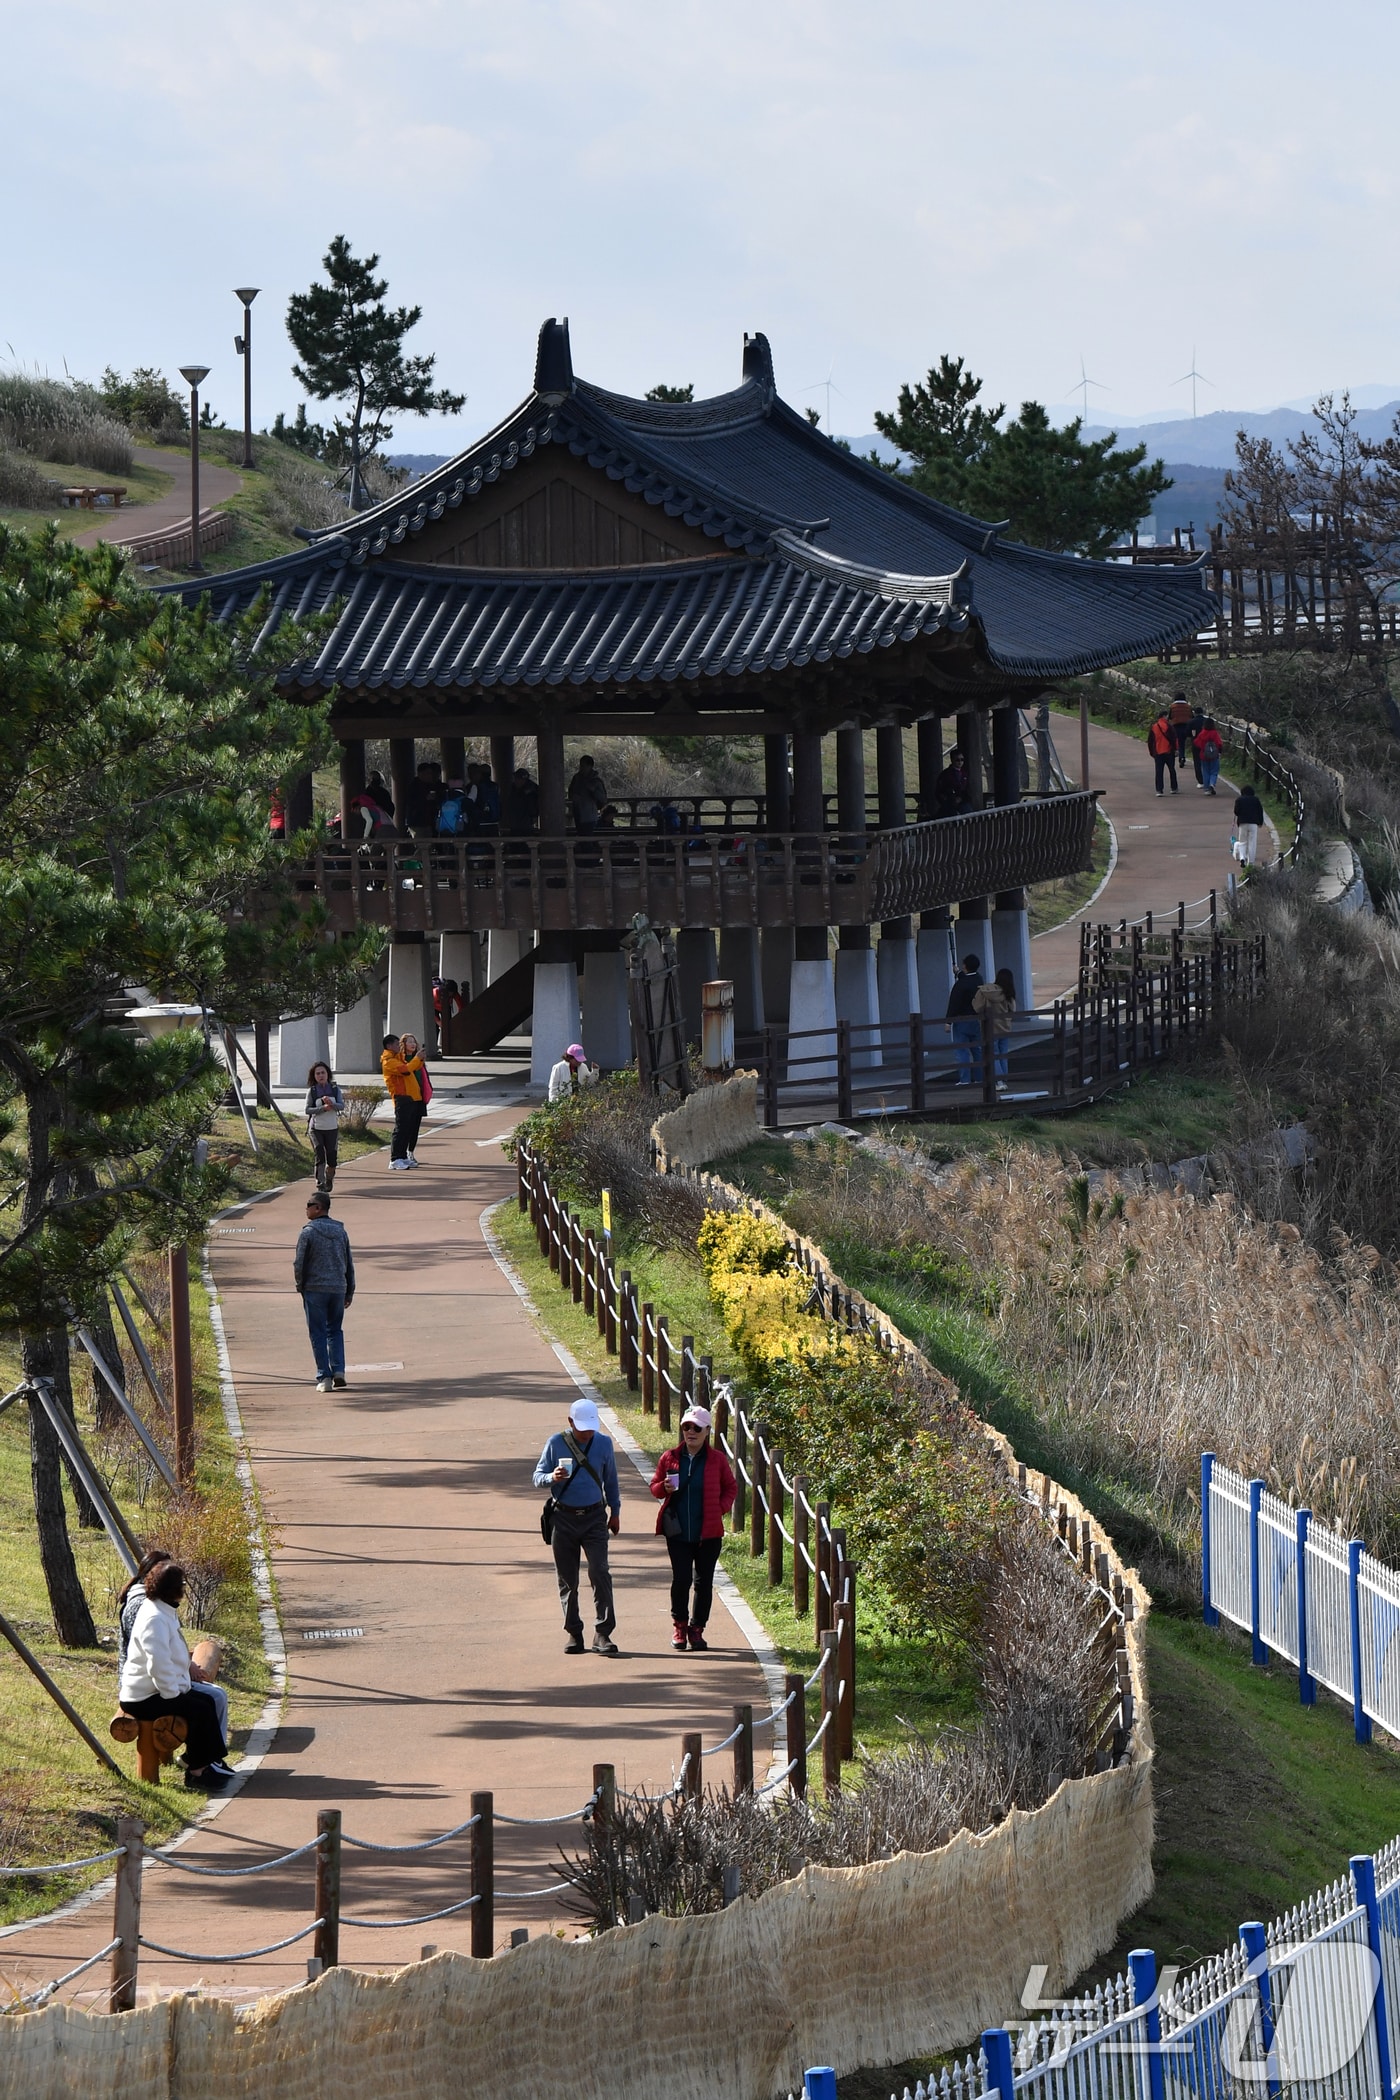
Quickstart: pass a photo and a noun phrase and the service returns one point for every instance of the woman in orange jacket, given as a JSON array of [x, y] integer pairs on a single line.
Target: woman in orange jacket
[[410, 1088]]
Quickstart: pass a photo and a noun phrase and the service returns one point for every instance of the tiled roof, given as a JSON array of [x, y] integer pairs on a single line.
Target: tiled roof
[[404, 625], [831, 554]]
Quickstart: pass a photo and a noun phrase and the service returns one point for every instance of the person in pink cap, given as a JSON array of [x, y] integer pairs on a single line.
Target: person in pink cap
[[695, 1486], [572, 1072]]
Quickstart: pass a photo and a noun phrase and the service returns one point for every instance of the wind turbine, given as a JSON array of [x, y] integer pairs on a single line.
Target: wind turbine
[[1083, 384], [828, 386], [1193, 375]]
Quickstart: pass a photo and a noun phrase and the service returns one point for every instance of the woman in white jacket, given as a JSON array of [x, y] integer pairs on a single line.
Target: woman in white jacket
[[155, 1678]]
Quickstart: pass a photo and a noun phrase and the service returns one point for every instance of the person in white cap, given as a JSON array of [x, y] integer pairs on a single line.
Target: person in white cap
[[579, 1468], [572, 1072], [696, 1488]]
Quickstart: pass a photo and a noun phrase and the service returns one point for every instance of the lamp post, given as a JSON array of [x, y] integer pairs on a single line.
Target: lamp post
[[243, 344], [194, 374]]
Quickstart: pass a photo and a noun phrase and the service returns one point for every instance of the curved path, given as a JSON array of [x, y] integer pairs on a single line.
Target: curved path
[[216, 485], [1170, 850], [403, 1507]]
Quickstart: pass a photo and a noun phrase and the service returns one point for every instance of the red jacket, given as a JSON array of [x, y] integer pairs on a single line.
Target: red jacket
[[717, 1489]]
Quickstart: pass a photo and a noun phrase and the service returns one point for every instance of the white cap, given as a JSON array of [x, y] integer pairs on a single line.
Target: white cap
[[700, 1416], [584, 1415]]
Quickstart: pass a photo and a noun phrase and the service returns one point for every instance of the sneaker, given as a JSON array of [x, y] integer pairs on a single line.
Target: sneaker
[[212, 1780], [413, 1160], [1161, 791], [225, 1771], [323, 1385], [603, 1645], [573, 1647], [698, 1640], [339, 1384], [678, 1635], [398, 1166]]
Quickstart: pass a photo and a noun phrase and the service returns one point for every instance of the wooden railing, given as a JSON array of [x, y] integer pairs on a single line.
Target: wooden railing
[[1142, 996], [735, 879]]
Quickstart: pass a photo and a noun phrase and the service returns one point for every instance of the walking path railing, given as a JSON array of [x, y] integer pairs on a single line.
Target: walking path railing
[[1303, 1591]]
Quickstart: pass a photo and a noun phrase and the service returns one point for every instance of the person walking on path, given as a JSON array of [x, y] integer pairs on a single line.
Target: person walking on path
[[695, 1485], [995, 1003], [324, 1272], [406, 1076], [1179, 717], [1207, 747], [1249, 815], [1161, 742], [964, 1026], [579, 1468], [325, 1105]]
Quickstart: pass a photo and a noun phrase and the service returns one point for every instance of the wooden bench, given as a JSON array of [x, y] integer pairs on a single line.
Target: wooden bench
[[156, 1741], [89, 499]]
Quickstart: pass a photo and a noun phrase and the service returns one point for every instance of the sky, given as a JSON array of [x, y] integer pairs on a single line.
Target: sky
[[1027, 183]]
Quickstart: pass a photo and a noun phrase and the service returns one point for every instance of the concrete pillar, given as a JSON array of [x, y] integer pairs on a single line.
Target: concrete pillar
[[302, 1043], [777, 790], [352, 781], [934, 957], [410, 991], [739, 961], [460, 960], [606, 1019], [557, 1022], [549, 746], [504, 949], [359, 1030], [858, 999], [776, 949], [812, 1005], [898, 976], [972, 934], [1011, 944], [699, 964], [402, 776]]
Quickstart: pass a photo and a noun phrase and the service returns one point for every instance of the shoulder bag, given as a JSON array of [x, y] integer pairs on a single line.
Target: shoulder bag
[[550, 1504]]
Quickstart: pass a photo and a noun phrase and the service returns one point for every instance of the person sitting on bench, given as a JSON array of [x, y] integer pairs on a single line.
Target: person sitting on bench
[[155, 1679]]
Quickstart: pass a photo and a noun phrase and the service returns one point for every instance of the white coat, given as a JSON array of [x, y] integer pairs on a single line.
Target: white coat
[[157, 1662]]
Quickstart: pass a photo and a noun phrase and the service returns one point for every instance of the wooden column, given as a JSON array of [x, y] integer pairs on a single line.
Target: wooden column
[[930, 736], [402, 762], [502, 760], [549, 743], [352, 781], [454, 757], [300, 811], [1006, 782], [182, 1362], [970, 908], [776, 790], [850, 809], [889, 786]]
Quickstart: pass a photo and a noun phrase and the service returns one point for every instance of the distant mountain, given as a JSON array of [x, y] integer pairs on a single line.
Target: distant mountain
[[417, 464], [1209, 441]]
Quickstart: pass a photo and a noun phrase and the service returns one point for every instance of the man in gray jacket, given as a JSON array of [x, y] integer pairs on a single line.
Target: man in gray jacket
[[324, 1269]]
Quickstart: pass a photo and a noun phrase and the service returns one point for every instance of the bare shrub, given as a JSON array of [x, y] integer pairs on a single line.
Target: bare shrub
[[23, 486], [361, 1105], [208, 1535], [600, 1138]]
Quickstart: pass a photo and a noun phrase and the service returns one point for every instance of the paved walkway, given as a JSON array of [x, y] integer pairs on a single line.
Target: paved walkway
[[216, 485], [403, 1508], [1170, 850]]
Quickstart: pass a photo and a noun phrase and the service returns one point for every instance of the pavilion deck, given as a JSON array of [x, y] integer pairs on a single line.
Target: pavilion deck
[[709, 878]]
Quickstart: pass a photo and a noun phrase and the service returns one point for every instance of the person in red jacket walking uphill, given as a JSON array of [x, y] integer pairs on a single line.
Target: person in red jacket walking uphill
[[695, 1486]]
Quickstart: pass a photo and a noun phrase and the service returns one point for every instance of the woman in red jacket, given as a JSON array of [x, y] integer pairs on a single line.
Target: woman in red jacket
[[695, 1486]]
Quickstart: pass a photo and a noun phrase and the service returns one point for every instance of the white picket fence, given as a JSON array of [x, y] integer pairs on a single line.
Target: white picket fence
[[1301, 1591]]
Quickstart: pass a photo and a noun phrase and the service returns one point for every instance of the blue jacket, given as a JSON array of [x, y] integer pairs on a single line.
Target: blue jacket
[[579, 1492]]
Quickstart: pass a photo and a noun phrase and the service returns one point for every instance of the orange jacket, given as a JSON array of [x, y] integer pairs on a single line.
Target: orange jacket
[[402, 1076], [1160, 739]]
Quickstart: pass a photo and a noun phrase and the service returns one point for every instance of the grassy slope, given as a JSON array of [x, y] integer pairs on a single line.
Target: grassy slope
[[1259, 1800], [142, 484], [893, 1678], [1051, 903]]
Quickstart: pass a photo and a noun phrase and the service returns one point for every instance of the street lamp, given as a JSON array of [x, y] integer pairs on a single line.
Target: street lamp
[[243, 344], [194, 375]]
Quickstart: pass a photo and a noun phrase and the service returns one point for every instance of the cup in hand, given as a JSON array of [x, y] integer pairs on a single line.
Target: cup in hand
[[566, 1466], [673, 1481]]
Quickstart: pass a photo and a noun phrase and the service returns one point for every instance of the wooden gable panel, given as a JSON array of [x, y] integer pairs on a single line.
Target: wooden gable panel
[[557, 513]]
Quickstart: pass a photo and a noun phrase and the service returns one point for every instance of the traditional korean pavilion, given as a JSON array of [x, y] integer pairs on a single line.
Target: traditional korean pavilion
[[599, 566]]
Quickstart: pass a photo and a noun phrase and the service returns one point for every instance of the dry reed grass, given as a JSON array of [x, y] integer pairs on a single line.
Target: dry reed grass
[[55, 419]]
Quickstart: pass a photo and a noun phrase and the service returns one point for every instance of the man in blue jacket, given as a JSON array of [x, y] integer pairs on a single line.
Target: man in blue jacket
[[578, 1467], [324, 1272]]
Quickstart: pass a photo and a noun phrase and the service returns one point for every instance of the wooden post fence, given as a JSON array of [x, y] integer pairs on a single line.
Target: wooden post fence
[[800, 1546], [126, 1916], [326, 1944], [795, 1690], [743, 1750], [831, 1679], [484, 1876]]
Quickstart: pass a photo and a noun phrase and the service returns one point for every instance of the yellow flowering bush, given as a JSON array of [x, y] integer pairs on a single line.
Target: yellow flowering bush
[[761, 1298]]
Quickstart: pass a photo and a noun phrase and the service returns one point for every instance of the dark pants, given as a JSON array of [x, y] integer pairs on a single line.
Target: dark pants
[[692, 1560], [325, 1317], [967, 1047], [1165, 762], [1182, 732], [583, 1532], [408, 1121], [326, 1146], [203, 1743]]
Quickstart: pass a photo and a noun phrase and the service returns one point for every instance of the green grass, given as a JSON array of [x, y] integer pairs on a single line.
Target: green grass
[[897, 1682], [278, 1158], [143, 484], [56, 1801]]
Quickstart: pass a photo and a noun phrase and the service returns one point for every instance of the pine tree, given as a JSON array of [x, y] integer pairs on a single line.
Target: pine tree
[[351, 349], [139, 744]]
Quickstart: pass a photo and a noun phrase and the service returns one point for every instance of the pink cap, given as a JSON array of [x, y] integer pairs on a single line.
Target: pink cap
[[578, 1053]]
